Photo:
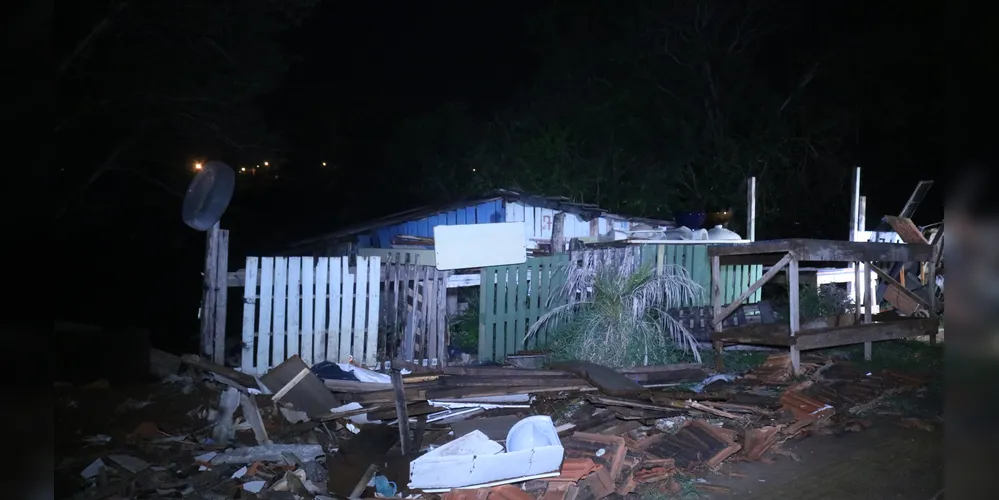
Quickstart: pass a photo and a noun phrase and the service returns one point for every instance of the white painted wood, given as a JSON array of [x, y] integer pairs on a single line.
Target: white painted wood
[[308, 308], [335, 337], [249, 315], [280, 303], [751, 210], [360, 309], [317, 344], [371, 340], [469, 246], [794, 311], [266, 307], [294, 334], [346, 313]]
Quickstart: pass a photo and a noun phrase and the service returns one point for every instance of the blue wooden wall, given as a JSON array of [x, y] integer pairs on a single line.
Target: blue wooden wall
[[486, 212]]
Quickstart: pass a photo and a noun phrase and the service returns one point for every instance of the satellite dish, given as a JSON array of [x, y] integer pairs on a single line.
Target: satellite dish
[[208, 195]]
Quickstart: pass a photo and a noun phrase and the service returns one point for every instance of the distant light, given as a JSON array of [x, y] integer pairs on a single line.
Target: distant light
[[267, 164], [324, 164], [243, 169], [197, 166], [473, 170], [258, 166]]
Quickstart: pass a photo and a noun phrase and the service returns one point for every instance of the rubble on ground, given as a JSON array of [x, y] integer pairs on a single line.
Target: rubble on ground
[[576, 431]]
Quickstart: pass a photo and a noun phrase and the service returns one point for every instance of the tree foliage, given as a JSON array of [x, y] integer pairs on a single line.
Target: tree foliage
[[658, 107]]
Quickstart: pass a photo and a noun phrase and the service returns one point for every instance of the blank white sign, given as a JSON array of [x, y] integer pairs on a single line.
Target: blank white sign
[[469, 246]]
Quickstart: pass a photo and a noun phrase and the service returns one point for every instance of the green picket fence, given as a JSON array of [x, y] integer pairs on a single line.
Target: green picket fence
[[512, 298]]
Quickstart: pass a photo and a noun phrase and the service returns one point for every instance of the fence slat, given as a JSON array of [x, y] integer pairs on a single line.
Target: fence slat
[[335, 335], [443, 339], [370, 355], [346, 311], [317, 344], [266, 305], [487, 310], [280, 302], [356, 346], [294, 334], [520, 313], [249, 315], [308, 307], [430, 318]]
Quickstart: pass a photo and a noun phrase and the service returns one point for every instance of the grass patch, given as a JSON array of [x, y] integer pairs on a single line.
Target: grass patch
[[736, 361], [911, 356], [465, 326]]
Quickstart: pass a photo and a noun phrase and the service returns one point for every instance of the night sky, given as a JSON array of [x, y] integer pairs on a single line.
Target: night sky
[[175, 83]]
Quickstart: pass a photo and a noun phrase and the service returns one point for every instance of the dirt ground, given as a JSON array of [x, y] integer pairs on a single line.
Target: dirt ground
[[885, 461]]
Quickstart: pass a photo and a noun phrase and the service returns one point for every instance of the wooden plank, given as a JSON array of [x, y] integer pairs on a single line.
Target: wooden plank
[[868, 305], [317, 344], [400, 411], [794, 311], [332, 344], [755, 334], [868, 332], [894, 285], [751, 210], [345, 333], [907, 230], [510, 314], [294, 334], [207, 291], [442, 327], [520, 318], [730, 308], [308, 308], [249, 316], [245, 380], [370, 358], [605, 379], [221, 290], [280, 303], [356, 346], [716, 308], [426, 296], [266, 305], [487, 298], [407, 312], [829, 250], [305, 393], [412, 307]]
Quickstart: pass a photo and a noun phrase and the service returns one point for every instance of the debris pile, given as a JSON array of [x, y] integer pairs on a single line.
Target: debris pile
[[577, 430]]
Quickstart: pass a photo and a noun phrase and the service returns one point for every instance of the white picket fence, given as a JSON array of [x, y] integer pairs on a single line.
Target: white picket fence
[[318, 308]]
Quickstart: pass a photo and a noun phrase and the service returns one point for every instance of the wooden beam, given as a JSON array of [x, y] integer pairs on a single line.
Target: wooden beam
[[716, 306], [829, 250], [751, 210], [868, 305], [893, 283], [854, 202], [794, 311], [729, 309], [870, 332], [400, 410], [907, 230], [758, 334]]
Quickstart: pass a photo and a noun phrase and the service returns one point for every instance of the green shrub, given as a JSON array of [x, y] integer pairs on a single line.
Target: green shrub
[[624, 322]]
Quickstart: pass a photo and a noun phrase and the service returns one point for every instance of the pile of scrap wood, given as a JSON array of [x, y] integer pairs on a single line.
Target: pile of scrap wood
[[611, 431]]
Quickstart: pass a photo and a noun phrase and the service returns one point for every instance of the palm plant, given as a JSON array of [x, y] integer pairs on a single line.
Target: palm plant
[[616, 315]]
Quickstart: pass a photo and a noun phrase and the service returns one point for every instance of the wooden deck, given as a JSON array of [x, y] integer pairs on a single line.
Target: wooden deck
[[786, 255]]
